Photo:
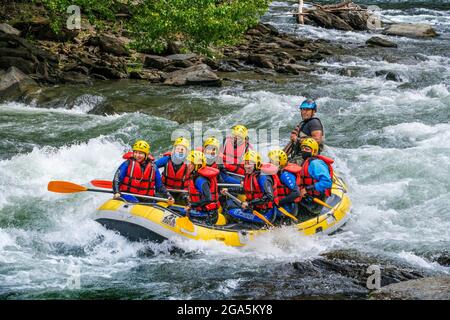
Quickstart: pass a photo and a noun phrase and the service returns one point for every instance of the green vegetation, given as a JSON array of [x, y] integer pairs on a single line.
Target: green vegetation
[[154, 23]]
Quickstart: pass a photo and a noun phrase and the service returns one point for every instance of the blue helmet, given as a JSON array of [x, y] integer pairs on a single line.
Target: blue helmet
[[308, 104]]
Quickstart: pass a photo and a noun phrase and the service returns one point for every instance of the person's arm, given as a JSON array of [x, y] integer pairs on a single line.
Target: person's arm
[[316, 129], [119, 176], [202, 185], [159, 186], [162, 161], [288, 179], [319, 171]]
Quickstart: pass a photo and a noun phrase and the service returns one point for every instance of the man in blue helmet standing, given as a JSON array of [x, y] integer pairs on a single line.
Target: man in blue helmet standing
[[310, 126]]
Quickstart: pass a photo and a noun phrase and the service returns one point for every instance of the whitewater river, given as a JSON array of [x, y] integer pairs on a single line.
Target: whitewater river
[[390, 140]]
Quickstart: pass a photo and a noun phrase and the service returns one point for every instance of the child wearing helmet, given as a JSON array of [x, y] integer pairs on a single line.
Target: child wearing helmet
[[211, 148], [310, 126], [175, 175], [260, 192], [203, 192], [233, 149], [287, 180], [316, 174], [139, 175]]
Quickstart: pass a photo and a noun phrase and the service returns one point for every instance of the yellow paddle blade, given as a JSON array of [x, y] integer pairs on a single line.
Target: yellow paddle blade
[[221, 221], [185, 223], [65, 187], [259, 215], [284, 211], [322, 203]]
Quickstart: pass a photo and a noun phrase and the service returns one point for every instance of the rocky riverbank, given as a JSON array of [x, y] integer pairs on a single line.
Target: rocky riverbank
[[32, 55]]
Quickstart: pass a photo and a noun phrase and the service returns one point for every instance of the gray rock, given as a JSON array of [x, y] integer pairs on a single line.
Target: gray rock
[[113, 45], [431, 288], [26, 66], [14, 85], [199, 74], [157, 62], [6, 28], [182, 57], [149, 75], [260, 60], [356, 19], [328, 20], [410, 30], [380, 42], [286, 44]]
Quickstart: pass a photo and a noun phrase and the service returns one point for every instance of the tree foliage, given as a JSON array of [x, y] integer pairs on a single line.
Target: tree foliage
[[154, 23]]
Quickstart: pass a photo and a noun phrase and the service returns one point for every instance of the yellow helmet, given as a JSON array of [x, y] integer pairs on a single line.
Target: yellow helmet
[[278, 157], [254, 157], [197, 158], [311, 143], [239, 131], [181, 141], [142, 146], [212, 141]]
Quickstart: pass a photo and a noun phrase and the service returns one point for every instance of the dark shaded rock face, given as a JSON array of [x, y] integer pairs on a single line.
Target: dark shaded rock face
[[15, 85], [328, 20], [18, 52], [39, 28]]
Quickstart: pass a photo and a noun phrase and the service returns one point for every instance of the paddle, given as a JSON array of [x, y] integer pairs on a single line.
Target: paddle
[[284, 211], [70, 187], [256, 213], [108, 185], [322, 203]]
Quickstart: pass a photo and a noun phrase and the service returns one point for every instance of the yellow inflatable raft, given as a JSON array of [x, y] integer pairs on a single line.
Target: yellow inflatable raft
[[156, 222]]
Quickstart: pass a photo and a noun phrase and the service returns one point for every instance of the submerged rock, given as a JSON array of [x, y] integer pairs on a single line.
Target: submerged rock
[[380, 42], [431, 288], [411, 30]]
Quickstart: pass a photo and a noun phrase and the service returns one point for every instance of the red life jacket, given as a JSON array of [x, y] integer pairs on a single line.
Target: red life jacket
[[307, 180], [232, 158], [252, 191], [284, 191], [138, 181], [195, 196], [175, 180]]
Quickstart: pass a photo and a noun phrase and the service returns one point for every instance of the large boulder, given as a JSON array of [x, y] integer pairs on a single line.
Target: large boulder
[[380, 42], [14, 85], [110, 44], [410, 30], [156, 62], [199, 74], [328, 20], [431, 288]]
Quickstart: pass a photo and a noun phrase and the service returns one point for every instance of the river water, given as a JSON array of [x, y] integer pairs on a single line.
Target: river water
[[390, 141]]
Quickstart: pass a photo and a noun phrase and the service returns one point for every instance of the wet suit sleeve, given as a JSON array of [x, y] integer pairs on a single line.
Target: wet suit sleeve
[[160, 188], [266, 184], [161, 162], [319, 171], [288, 179], [119, 176], [202, 185]]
